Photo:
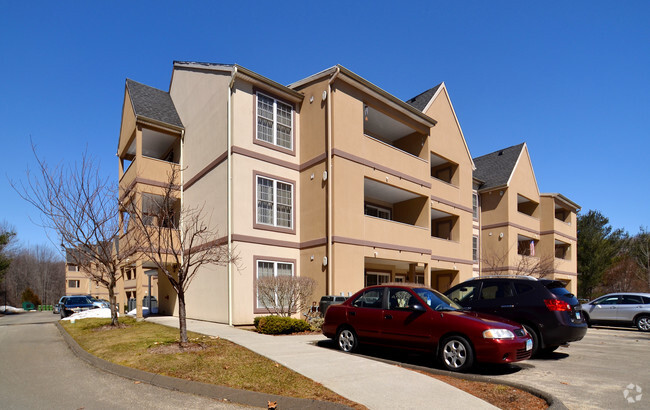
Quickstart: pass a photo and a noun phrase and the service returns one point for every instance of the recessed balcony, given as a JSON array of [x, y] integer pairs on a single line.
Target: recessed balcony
[[390, 131], [444, 225], [527, 206], [391, 203]]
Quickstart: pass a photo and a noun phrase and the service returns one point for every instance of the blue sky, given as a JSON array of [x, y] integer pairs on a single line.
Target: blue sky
[[572, 79]]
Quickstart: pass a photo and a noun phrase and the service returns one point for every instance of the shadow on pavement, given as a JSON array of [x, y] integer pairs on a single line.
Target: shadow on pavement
[[426, 360]]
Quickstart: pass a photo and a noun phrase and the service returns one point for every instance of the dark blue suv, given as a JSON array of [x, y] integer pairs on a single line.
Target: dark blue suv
[[544, 307], [74, 304]]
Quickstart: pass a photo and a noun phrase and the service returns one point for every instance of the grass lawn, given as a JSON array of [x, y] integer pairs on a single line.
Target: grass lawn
[[142, 345]]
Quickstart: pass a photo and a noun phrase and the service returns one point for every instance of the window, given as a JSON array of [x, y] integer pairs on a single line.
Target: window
[[274, 202], [497, 290], [632, 300], [73, 268], [475, 248], [377, 211], [376, 278], [475, 205], [400, 299], [272, 269], [372, 298], [274, 121], [73, 283]]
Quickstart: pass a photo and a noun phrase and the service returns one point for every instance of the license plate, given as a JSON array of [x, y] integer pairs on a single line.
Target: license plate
[[577, 315], [529, 345]]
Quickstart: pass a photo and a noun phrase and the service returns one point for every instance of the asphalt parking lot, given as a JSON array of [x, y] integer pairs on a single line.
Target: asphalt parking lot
[[590, 374]]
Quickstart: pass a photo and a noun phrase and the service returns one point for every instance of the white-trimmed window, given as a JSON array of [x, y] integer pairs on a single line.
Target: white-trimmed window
[[73, 283], [274, 202], [271, 269], [475, 248], [274, 121], [377, 211], [376, 278], [475, 205]]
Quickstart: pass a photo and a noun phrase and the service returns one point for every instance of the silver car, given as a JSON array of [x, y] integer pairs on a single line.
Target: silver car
[[620, 309]]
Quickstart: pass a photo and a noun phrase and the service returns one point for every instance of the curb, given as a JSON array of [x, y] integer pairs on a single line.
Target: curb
[[222, 393], [553, 402]]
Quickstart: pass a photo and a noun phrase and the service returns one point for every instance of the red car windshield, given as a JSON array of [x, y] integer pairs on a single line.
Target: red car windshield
[[436, 300]]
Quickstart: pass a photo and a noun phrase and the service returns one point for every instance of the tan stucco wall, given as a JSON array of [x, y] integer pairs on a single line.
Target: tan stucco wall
[[201, 100]]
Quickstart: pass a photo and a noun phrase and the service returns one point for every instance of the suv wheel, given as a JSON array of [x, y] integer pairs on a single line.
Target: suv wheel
[[347, 340], [643, 323], [533, 335], [456, 354]]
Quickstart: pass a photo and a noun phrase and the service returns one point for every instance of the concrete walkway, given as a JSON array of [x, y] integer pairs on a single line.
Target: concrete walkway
[[374, 384]]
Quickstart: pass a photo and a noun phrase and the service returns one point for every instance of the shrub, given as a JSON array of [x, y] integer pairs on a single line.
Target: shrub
[[277, 325], [316, 324], [28, 295]]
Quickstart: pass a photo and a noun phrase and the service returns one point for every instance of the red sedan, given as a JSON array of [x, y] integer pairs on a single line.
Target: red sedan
[[416, 317]]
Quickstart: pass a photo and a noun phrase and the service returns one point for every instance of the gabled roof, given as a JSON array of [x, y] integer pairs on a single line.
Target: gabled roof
[[235, 70], [152, 103], [421, 101], [344, 74], [496, 168]]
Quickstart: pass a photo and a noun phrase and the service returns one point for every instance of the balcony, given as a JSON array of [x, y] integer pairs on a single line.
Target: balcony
[[392, 132], [395, 204], [391, 157], [160, 152], [444, 225], [562, 250], [526, 246]]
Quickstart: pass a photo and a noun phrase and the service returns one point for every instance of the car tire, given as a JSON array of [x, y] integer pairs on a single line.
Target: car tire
[[533, 335], [346, 339], [456, 354], [643, 323]]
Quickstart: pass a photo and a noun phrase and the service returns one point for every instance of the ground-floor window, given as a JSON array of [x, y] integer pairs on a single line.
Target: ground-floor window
[[271, 269], [73, 283], [376, 278]]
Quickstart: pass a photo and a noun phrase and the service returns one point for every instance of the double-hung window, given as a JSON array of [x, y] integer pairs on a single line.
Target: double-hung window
[[271, 269], [274, 121], [274, 202]]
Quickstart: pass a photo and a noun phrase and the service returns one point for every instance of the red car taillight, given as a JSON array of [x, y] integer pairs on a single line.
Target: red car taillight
[[557, 305]]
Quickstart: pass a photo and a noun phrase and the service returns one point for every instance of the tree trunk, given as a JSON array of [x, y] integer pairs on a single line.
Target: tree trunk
[[182, 321], [111, 298]]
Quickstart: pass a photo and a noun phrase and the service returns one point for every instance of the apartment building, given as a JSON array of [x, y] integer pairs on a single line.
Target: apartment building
[[330, 177], [521, 230]]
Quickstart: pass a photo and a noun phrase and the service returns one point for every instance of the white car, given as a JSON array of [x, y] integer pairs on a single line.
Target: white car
[[619, 309]]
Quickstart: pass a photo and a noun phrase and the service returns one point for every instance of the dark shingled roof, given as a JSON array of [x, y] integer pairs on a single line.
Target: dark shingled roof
[[495, 168], [153, 103], [420, 101]]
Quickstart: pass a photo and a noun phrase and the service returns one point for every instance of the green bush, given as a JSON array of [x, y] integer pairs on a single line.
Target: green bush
[[277, 325]]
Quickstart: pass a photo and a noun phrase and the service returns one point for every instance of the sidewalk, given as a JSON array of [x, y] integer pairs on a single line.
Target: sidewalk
[[374, 384]]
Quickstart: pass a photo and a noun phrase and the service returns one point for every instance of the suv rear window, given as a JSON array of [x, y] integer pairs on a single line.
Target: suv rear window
[[558, 289]]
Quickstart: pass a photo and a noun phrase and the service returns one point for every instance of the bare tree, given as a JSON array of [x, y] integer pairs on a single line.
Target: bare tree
[[177, 240], [283, 295], [496, 262], [81, 207]]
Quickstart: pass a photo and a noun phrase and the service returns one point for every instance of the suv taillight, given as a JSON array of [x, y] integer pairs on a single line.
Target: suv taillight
[[557, 305]]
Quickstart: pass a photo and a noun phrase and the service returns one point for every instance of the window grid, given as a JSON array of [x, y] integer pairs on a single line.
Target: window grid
[[269, 269], [274, 121], [274, 203]]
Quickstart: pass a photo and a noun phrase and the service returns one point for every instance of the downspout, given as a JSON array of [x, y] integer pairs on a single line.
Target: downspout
[[329, 181], [229, 200]]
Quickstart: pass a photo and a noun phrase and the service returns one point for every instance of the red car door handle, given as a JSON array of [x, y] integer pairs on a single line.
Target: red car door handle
[[388, 316], [352, 313]]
